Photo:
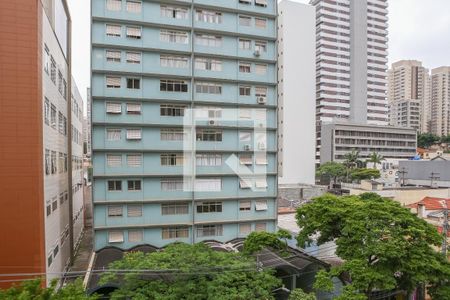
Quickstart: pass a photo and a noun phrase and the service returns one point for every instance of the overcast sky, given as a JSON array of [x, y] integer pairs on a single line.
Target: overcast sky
[[418, 29]]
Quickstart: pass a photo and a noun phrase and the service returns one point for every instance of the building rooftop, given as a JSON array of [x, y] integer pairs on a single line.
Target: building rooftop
[[431, 203]]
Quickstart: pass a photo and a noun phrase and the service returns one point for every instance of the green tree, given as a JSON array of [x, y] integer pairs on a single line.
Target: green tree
[[333, 170], [352, 160], [258, 240], [299, 294], [425, 140], [375, 158], [383, 245], [362, 174], [191, 272], [33, 290]]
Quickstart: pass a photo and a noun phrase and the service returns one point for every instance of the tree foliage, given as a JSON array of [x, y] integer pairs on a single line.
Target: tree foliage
[[362, 174], [384, 246], [375, 159], [425, 140], [333, 170], [256, 241], [352, 160], [191, 272], [33, 290], [299, 294]]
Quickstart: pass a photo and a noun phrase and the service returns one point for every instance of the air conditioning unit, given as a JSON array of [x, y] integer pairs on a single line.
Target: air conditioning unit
[[261, 146], [261, 100], [247, 147], [212, 122], [257, 53]]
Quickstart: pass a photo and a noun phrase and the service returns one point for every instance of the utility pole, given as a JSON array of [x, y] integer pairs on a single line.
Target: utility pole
[[445, 227], [433, 177], [402, 173]]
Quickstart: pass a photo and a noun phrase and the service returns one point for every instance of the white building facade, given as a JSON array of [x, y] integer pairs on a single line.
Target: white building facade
[[440, 101]]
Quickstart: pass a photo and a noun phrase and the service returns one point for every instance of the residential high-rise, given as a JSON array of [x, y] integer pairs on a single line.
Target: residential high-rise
[[440, 101], [164, 72], [87, 126], [41, 141], [409, 95], [351, 62], [296, 93]]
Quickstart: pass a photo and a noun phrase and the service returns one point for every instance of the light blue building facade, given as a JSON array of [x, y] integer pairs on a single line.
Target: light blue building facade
[[152, 62]]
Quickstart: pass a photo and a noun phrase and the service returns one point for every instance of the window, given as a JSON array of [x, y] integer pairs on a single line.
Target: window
[[60, 82], [172, 61], [260, 69], [208, 185], [245, 44], [64, 89], [114, 5], [245, 183], [134, 134], [61, 162], [208, 16], [53, 116], [245, 21], [134, 160], [115, 211], [134, 6], [175, 209], [245, 205], [46, 59], [47, 111], [260, 46], [245, 228], [54, 204], [114, 185], [171, 36], [244, 90], [113, 134], [207, 207], [134, 185], [208, 88], [113, 30], [208, 64], [208, 112], [172, 134], [114, 160], [172, 159], [48, 209], [135, 236], [133, 108], [245, 136], [115, 236], [262, 3], [174, 12], [175, 232], [261, 159], [134, 210], [245, 159], [209, 230], [113, 82], [133, 83], [56, 251], [173, 86], [133, 57], [260, 91], [174, 110], [49, 260], [208, 160], [113, 107], [261, 183], [134, 32], [47, 162], [260, 23], [209, 135], [172, 184], [53, 70], [260, 227], [245, 67], [245, 1], [208, 40], [260, 205], [113, 55]]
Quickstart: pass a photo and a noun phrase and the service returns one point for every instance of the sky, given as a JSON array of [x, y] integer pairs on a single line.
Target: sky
[[418, 29]]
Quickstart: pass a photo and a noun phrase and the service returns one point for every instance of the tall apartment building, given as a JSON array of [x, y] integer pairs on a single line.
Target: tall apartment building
[[351, 62], [296, 93], [440, 101], [87, 125], [409, 95], [41, 141], [153, 63]]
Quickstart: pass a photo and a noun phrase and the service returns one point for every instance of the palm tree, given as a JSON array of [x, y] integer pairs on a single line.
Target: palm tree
[[375, 158], [352, 159]]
